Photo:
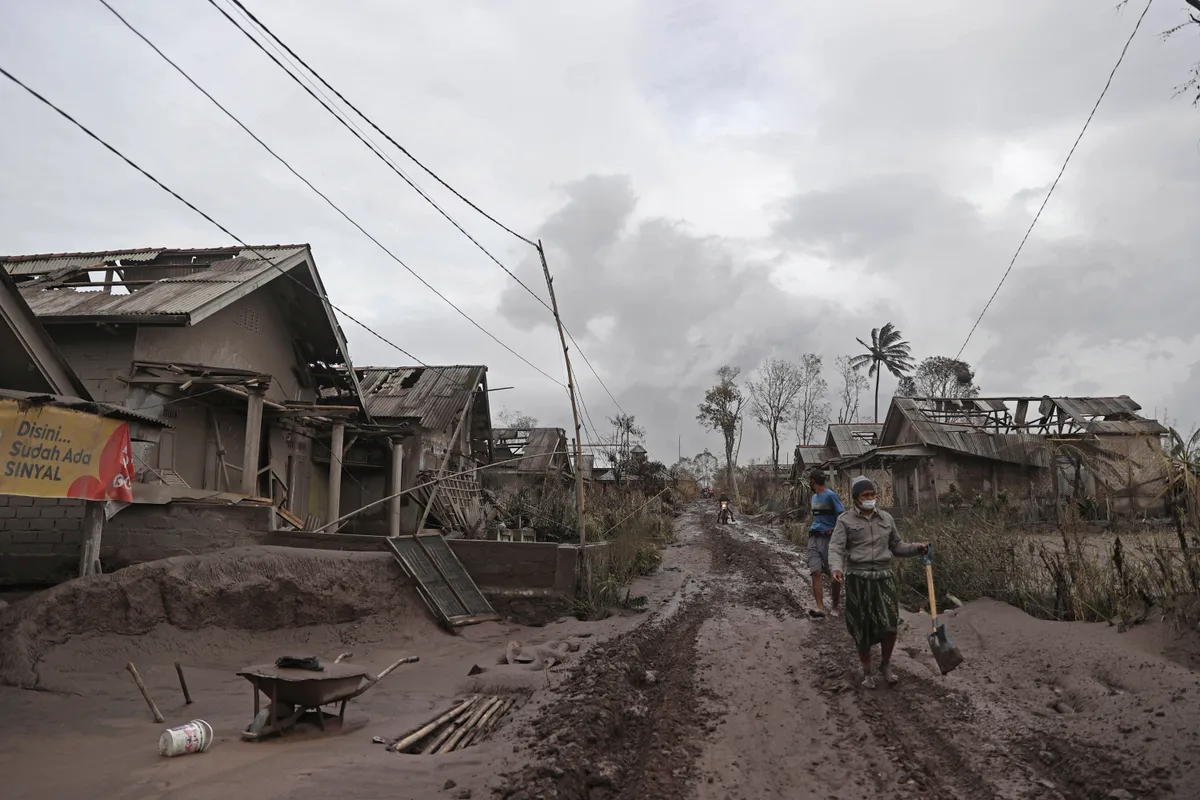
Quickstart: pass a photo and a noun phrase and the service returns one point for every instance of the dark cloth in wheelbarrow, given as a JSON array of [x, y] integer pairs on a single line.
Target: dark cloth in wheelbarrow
[[295, 662], [872, 607]]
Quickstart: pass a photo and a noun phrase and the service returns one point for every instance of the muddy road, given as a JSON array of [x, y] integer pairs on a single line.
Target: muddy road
[[731, 689]]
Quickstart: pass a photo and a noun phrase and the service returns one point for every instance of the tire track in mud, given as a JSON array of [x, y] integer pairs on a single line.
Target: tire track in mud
[[632, 729]]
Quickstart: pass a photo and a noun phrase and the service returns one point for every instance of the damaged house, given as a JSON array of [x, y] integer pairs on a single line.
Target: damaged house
[[230, 347], [841, 458], [426, 422], [1037, 454], [544, 456]]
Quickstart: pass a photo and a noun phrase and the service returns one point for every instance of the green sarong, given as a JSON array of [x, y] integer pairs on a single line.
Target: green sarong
[[872, 607]]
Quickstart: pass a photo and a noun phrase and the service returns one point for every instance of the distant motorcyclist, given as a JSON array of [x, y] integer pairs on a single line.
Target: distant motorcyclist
[[726, 505]]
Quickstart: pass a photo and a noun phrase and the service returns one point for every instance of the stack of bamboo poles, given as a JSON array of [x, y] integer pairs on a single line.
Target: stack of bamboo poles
[[464, 724]]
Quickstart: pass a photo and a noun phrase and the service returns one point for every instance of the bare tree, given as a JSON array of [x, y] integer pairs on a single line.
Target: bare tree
[[810, 412], [721, 411], [515, 419], [617, 445], [772, 397], [853, 384]]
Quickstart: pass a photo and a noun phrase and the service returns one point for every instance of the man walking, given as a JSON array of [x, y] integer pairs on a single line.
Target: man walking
[[826, 508], [861, 550]]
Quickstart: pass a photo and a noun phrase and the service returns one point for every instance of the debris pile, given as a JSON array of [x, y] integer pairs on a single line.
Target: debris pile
[[466, 723]]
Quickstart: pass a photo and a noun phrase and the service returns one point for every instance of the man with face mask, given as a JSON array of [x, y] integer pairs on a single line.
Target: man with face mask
[[861, 550]]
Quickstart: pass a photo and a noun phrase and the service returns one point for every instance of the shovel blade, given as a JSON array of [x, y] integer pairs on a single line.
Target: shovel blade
[[945, 653]]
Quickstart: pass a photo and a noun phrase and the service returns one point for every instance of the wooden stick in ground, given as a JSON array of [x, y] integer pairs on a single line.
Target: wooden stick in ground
[[187, 696], [429, 727], [158, 717]]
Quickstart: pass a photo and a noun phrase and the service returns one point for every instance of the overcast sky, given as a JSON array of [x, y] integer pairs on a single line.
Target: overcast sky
[[715, 182]]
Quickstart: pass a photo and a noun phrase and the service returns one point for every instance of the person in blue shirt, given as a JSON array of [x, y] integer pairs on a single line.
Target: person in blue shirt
[[826, 508]]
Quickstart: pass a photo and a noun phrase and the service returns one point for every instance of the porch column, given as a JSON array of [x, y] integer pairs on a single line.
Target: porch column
[[93, 529], [254, 413], [335, 473], [397, 487]]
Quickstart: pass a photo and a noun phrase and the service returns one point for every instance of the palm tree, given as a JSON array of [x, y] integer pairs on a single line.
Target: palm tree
[[887, 350]]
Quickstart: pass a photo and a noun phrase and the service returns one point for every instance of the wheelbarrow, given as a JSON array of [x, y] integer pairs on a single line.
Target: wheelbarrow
[[293, 693]]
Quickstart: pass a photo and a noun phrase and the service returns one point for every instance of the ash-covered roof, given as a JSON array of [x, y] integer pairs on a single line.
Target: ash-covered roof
[[1013, 428], [853, 438], [433, 396], [537, 447], [168, 286]]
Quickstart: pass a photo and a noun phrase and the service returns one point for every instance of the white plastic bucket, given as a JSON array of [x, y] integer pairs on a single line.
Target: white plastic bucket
[[193, 737]]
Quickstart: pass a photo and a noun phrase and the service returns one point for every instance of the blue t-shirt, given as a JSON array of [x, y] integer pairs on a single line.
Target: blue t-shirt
[[826, 507]]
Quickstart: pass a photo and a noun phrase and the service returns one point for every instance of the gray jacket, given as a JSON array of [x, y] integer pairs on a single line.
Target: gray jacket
[[866, 543]]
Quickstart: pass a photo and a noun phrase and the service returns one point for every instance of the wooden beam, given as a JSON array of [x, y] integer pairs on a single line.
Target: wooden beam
[[93, 530], [335, 474], [254, 414]]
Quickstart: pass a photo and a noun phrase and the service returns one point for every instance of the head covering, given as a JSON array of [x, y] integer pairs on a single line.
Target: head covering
[[861, 484]]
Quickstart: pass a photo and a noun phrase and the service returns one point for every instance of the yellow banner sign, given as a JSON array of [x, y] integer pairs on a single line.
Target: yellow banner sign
[[47, 451]]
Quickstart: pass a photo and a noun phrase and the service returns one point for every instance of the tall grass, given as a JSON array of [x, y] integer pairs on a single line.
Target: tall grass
[[1069, 575], [632, 528]]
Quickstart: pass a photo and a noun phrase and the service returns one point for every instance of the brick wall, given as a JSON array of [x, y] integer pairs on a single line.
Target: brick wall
[[39, 539]]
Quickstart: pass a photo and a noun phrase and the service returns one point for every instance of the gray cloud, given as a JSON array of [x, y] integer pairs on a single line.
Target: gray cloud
[[714, 184]]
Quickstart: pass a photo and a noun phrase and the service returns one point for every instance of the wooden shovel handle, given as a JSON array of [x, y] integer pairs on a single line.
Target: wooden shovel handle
[[932, 596]]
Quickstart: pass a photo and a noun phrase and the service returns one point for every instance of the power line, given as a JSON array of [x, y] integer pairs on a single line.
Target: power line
[[1054, 185], [319, 193], [178, 197], [273, 38], [383, 133], [370, 145]]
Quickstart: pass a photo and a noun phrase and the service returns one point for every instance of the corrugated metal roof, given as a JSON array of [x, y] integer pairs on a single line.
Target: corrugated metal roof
[[1023, 447], [853, 438], [179, 295], [433, 395], [811, 455], [539, 448], [52, 262], [86, 406]]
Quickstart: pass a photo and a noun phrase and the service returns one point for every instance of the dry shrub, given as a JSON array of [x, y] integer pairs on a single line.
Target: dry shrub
[[796, 533], [1066, 576]]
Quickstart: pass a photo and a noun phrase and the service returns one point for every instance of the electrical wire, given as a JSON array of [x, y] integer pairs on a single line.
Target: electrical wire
[[370, 145], [1054, 185], [322, 195], [370, 122], [274, 39]]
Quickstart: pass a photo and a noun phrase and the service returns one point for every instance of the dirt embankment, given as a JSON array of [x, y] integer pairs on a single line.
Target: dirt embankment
[[247, 589]]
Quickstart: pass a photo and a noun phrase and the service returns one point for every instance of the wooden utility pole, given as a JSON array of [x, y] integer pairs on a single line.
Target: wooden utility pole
[[562, 337]]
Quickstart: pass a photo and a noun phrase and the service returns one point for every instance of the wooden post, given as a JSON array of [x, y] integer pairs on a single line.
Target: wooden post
[[397, 487], [571, 391], [93, 529], [337, 441], [254, 413]]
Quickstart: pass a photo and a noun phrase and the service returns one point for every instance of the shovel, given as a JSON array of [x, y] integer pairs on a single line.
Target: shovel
[[945, 653]]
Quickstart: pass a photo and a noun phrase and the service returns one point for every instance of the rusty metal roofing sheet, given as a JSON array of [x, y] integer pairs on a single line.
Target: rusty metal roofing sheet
[[433, 395], [51, 262], [169, 296], [854, 438]]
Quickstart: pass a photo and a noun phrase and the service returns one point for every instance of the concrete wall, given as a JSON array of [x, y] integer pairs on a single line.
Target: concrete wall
[[148, 533], [98, 355], [39, 540], [250, 334]]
